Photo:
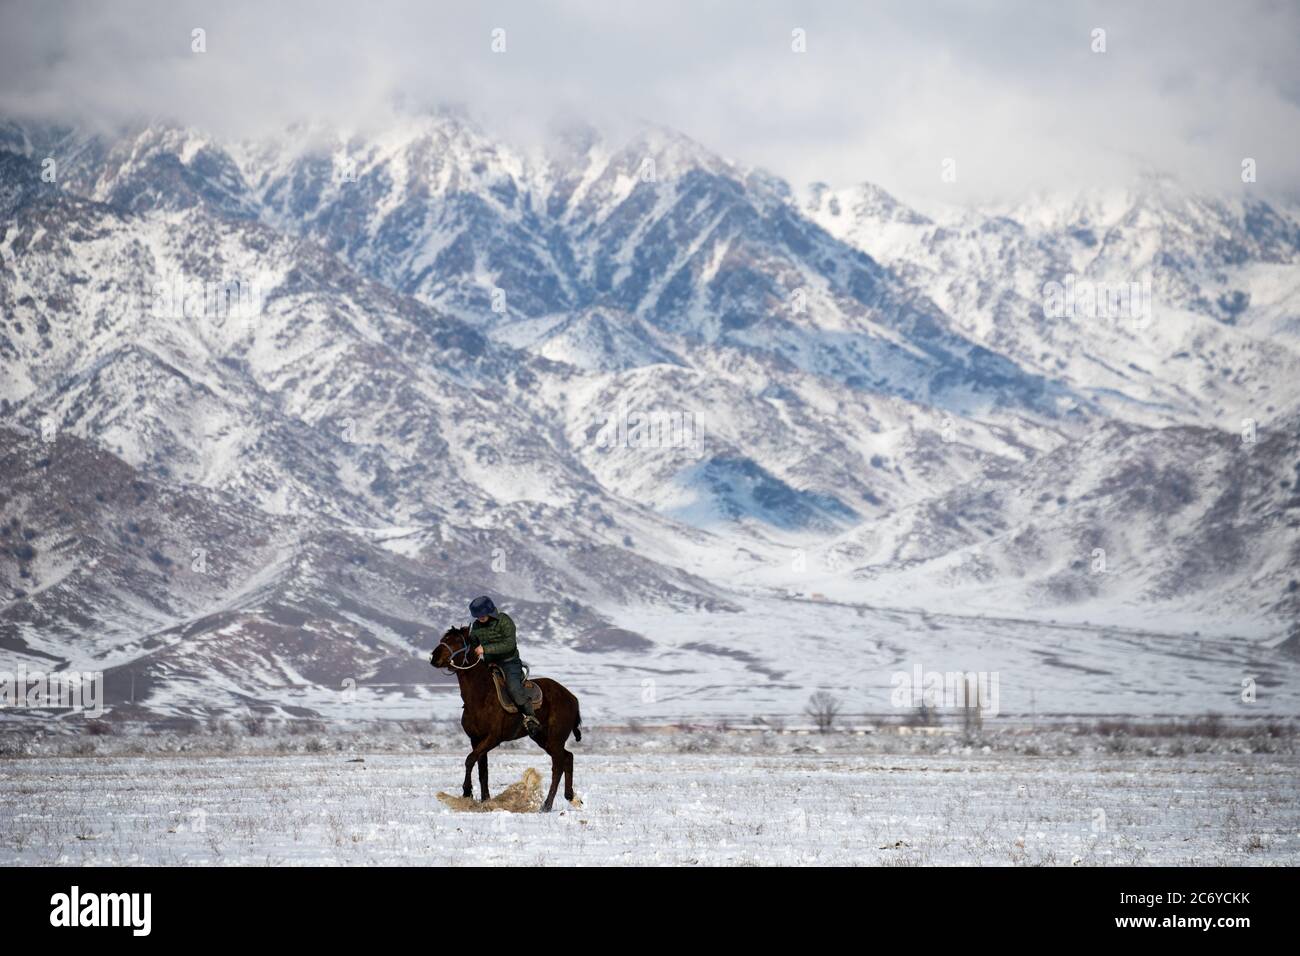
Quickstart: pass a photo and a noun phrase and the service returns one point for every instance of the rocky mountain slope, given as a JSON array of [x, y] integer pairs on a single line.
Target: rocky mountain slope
[[603, 381], [1212, 339]]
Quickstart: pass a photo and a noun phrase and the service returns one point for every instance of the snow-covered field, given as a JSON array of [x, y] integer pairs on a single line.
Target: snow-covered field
[[686, 798], [767, 658]]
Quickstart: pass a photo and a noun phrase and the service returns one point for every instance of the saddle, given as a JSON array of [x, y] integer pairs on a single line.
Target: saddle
[[503, 694]]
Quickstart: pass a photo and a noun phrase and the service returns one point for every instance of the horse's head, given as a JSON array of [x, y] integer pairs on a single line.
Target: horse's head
[[450, 647]]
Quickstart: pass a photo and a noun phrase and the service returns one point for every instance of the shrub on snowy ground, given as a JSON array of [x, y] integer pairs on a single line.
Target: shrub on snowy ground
[[823, 708]]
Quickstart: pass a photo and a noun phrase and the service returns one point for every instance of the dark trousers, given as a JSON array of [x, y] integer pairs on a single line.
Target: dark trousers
[[513, 670]]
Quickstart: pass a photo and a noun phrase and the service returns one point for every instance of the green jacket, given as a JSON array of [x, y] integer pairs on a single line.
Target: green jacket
[[497, 635]]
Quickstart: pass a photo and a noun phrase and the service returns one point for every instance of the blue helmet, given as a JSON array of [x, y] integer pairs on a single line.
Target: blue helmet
[[482, 606]]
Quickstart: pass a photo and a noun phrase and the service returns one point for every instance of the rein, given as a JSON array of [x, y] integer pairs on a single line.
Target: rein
[[464, 650]]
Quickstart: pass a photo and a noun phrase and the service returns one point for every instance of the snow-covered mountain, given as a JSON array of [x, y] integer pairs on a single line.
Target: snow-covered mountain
[[367, 375], [1210, 339]]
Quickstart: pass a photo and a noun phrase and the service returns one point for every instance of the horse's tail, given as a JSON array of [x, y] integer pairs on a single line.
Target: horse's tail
[[577, 723]]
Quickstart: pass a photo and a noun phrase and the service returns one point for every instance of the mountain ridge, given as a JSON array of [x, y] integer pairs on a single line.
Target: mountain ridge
[[615, 377]]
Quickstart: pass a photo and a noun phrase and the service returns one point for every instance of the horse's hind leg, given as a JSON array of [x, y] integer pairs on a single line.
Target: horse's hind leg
[[568, 775], [557, 767], [482, 777]]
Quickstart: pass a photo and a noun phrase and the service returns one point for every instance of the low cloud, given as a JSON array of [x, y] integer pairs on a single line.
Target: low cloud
[[1012, 92]]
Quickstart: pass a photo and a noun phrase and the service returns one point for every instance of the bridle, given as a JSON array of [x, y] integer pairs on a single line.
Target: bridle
[[464, 650]]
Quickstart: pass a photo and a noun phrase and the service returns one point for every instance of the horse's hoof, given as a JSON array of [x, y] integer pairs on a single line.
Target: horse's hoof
[[546, 808]]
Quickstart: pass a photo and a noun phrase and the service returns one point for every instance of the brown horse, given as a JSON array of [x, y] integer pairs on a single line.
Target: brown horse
[[487, 723]]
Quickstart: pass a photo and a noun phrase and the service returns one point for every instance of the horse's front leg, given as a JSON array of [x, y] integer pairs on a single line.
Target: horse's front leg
[[482, 776], [474, 756]]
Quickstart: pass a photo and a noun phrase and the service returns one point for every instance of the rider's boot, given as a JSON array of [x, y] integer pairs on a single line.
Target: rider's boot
[[531, 723]]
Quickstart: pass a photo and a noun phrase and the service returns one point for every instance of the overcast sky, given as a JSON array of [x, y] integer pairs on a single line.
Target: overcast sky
[[1012, 91]]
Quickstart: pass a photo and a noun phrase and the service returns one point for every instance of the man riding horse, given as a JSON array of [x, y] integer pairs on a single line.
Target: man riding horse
[[485, 718], [493, 637]]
